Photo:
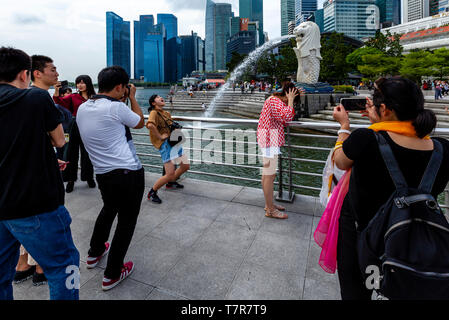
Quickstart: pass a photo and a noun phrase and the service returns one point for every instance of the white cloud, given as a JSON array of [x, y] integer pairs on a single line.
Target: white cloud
[[73, 33]]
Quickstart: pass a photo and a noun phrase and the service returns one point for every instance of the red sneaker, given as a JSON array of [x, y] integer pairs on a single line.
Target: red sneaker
[[93, 261], [127, 268]]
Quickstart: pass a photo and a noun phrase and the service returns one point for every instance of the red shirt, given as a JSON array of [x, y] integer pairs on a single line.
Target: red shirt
[[71, 102], [275, 114]]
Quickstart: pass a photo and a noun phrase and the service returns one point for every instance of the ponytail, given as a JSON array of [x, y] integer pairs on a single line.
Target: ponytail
[[425, 123]]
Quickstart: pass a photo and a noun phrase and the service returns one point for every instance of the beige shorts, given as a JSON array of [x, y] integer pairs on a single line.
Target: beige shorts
[[270, 165], [31, 261]]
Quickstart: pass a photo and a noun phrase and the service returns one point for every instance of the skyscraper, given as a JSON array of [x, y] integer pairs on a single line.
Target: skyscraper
[[210, 35], [192, 53], [223, 13], [287, 15], [358, 19], [253, 9], [118, 46], [142, 27], [218, 19], [438, 6], [304, 9], [153, 54], [170, 23], [414, 10], [390, 12]]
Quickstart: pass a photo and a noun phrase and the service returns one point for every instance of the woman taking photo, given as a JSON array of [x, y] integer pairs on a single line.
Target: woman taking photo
[[72, 102], [276, 112], [158, 124], [397, 113]]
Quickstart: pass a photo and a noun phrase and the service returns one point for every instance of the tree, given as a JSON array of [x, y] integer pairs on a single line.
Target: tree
[[387, 43], [334, 67], [355, 59], [279, 66], [417, 64], [236, 59], [440, 63], [379, 65]]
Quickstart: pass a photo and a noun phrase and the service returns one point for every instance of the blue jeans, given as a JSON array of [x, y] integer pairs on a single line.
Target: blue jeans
[[169, 153], [48, 239]]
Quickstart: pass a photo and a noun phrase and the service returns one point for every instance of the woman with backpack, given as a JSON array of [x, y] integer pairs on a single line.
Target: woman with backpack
[[159, 123], [397, 113]]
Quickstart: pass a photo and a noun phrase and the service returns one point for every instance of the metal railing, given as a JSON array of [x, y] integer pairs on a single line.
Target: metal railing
[[287, 188]]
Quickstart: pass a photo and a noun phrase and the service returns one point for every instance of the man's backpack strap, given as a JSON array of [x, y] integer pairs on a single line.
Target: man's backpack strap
[[431, 172], [391, 163]]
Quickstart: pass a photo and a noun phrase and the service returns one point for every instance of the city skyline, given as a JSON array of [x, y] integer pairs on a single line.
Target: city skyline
[[74, 34]]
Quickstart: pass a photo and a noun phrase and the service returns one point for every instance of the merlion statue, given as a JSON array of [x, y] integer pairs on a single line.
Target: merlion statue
[[308, 52]]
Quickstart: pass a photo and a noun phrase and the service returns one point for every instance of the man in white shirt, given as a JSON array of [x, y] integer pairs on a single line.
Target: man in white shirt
[[104, 123]]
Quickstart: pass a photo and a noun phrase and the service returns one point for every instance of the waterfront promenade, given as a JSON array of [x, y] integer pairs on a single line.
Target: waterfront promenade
[[207, 241]]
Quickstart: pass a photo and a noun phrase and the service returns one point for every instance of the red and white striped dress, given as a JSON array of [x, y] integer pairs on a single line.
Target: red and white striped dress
[[270, 131]]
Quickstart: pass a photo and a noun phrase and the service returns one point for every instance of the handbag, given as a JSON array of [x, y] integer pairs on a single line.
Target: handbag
[[173, 127]]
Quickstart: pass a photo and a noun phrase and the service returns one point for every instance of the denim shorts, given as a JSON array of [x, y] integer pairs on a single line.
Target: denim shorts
[[169, 153]]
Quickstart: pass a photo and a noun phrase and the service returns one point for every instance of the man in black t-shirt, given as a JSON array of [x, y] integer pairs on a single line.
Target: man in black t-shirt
[[32, 208]]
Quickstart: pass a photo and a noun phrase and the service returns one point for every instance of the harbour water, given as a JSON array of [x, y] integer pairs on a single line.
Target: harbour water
[[243, 170]]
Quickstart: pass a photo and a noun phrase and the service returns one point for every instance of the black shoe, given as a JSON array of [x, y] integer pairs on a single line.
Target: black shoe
[[91, 183], [39, 279], [22, 276], [152, 195], [174, 185], [69, 187]]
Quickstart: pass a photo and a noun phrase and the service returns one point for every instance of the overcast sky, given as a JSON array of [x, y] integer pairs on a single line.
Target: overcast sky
[[73, 33]]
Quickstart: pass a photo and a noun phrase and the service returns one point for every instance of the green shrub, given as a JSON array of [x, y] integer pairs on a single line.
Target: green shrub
[[344, 88]]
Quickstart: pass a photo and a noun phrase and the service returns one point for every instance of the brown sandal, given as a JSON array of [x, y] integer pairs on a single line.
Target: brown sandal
[[275, 214], [280, 208]]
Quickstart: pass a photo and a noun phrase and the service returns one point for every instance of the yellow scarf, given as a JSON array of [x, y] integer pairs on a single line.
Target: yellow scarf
[[400, 127]]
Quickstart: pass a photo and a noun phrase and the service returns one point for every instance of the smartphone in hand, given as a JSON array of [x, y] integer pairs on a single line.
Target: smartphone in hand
[[353, 104]]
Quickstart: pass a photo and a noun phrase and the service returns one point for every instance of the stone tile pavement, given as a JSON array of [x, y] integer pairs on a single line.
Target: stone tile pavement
[[207, 241]]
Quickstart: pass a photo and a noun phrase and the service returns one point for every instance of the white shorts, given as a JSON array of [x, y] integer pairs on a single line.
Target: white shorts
[[270, 152]]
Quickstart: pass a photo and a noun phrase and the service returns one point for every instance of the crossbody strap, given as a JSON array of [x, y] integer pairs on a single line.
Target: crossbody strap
[[160, 115]]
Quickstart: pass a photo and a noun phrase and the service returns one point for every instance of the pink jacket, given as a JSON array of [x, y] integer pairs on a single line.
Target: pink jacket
[[275, 114]]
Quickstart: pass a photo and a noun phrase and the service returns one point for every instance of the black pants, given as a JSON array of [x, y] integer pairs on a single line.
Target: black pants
[[352, 283], [73, 152], [122, 192]]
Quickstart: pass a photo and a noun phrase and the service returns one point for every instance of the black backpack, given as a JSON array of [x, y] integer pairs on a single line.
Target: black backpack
[[407, 241]]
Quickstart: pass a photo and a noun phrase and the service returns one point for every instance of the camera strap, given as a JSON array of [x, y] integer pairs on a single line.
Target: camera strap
[[163, 118]]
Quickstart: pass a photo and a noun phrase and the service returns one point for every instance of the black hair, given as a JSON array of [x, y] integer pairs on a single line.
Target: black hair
[[89, 86], [110, 77], [38, 62], [407, 100], [12, 62], [150, 101], [286, 86], [65, 90]]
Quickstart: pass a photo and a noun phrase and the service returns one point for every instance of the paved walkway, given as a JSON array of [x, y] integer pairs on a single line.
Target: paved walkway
[[208, 241]]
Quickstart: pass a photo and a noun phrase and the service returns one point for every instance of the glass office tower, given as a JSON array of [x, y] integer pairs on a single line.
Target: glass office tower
[[118, 46], [153, 55], [253, 9], [223, 13], [304, 9], [210, 35], [358, 19], [142, 27], [170, 23], [390, 12], [287, 15]]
